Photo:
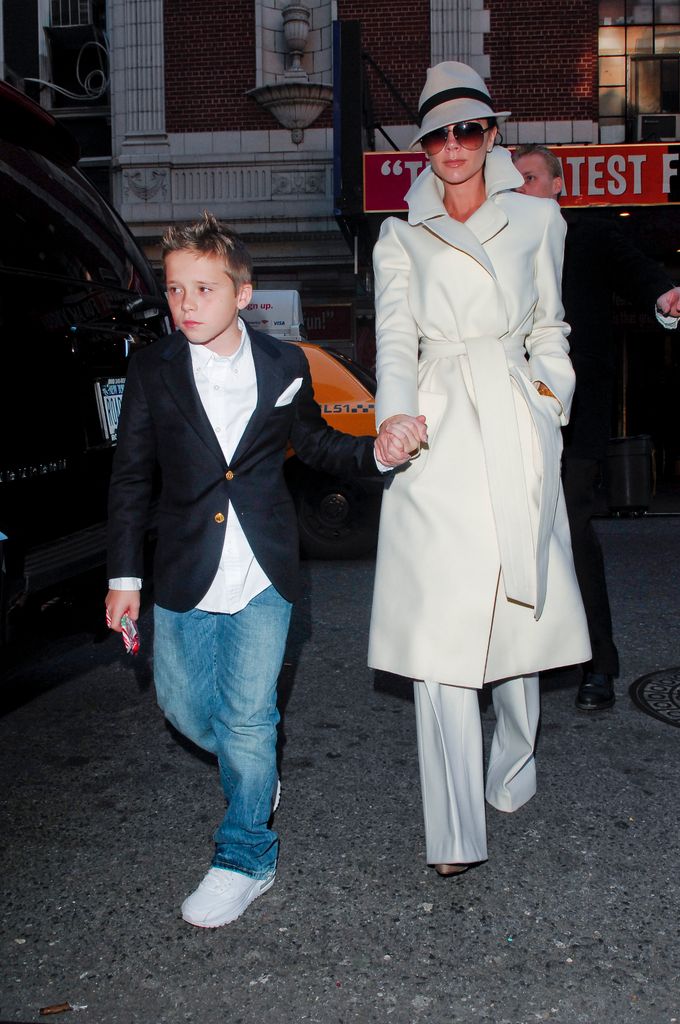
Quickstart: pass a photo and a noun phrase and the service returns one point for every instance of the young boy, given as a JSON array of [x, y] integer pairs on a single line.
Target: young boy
[[213, 405]]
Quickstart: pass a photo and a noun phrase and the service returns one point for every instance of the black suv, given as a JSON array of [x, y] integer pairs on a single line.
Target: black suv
[[77, 296]]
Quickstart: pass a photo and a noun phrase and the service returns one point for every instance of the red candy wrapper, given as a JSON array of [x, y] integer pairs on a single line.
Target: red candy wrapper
[[130, 634], [129, 631]]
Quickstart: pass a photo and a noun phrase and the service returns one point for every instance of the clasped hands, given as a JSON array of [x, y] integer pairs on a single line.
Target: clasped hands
[[400, 438], [669, 302]]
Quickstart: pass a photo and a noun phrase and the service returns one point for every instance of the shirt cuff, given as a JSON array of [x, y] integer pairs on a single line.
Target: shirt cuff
[[669, 322], [381, 465], [125, 583]]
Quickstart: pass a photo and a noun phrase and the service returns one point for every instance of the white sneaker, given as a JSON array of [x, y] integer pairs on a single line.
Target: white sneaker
[[222, 896]]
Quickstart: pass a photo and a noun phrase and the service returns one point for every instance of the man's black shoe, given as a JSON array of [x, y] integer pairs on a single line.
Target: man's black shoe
[[596, 692]]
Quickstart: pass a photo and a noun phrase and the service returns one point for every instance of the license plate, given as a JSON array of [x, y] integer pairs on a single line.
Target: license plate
[[109, 395]]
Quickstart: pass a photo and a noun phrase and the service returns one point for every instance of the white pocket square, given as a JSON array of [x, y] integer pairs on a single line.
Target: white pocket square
[[287, 396]]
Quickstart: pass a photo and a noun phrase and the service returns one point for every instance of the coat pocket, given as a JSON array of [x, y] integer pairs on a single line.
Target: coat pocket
[[542, 406]]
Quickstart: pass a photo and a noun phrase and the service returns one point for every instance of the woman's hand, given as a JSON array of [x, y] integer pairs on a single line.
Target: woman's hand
[[399, 439]]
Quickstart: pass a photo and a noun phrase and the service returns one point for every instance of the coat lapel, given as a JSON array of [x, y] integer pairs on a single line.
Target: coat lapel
[[270, 384], [177, 374], [426, 207], [500, 175], [460, 237]]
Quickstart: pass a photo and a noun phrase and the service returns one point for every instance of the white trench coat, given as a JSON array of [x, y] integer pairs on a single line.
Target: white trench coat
[[475, 579]]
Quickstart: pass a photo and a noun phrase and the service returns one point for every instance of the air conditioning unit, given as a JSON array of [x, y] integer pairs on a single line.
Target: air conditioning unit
[[658, 127]]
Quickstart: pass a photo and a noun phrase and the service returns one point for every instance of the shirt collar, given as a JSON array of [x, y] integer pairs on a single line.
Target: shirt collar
[[202, 358], [425, 198]]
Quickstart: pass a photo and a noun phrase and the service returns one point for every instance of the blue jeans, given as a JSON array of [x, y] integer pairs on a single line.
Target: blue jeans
[[215, 677]]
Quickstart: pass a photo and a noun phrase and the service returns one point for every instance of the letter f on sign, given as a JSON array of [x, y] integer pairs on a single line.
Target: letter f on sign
[[670, 170]]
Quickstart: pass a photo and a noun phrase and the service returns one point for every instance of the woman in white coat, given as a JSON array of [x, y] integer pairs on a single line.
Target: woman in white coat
[[475, 581]]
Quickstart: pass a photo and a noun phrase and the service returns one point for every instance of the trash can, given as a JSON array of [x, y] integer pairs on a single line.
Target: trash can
[[629, 474]]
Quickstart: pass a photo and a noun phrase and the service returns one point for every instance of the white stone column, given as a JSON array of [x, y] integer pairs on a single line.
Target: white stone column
[[138, 90], [457, 29], [141, 178]]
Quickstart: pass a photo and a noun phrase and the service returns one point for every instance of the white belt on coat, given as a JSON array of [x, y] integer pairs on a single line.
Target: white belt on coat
[[492, 365]]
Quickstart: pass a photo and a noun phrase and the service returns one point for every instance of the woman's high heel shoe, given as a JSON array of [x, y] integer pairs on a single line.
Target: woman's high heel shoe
[[450, 869]]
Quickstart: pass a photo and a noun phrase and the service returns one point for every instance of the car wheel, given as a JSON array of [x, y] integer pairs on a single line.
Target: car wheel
[[336, 519]]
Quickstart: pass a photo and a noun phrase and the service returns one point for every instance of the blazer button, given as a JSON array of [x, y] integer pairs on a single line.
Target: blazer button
[[229, 475], [219, 518]]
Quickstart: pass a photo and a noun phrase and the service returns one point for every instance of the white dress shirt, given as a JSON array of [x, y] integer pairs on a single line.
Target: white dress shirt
[[227, 387]]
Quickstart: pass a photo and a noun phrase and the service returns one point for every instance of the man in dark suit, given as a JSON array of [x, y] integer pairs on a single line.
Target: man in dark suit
[[213, 406], [598, 261]]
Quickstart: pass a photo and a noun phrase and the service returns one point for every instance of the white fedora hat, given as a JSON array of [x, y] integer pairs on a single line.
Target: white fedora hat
[[453, 92]]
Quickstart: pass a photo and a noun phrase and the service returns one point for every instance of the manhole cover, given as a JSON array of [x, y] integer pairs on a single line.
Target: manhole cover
[[658, 694]]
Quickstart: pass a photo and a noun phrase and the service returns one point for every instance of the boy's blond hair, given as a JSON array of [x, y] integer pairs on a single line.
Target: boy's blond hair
[[209, 237]]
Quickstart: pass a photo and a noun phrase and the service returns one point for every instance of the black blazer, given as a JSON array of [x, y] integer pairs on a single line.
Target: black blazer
[[599, 260], [163, 425]]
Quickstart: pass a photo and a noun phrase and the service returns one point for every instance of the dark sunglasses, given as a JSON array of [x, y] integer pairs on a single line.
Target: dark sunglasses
[[468, 134]]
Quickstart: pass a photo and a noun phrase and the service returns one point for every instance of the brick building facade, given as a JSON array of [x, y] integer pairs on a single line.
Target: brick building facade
[[543, 60], [210, 139], [209, 47], [219, 104]]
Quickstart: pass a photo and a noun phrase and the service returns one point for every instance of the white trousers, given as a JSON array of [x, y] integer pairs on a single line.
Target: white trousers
[[451, 762]]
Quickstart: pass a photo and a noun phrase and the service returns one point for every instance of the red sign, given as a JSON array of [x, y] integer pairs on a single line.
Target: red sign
[[646, 175], [623, 175], [387, 178], [328, 323]]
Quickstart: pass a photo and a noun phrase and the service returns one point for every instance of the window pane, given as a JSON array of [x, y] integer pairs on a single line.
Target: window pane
[[612, 70], [612, 102], [640, 13], [667, 39], [670, 80], [667, 13], [640, 40], [612, 41], [65, 13], [646, 75], [612, 12]]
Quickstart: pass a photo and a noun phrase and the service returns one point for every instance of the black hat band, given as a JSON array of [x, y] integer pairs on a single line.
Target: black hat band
[[452, 94]]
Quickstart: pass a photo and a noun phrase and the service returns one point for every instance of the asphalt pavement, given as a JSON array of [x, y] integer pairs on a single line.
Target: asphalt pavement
[[107, 816]]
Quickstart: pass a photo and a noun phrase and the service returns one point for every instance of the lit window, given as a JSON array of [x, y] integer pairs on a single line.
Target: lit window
[[639, 64]]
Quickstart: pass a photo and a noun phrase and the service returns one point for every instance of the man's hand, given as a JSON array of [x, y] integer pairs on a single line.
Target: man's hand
[[669, 302], [399, 439], [120, 601]]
